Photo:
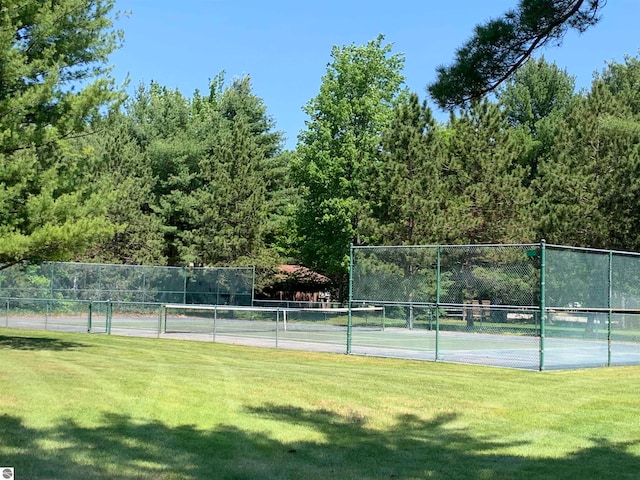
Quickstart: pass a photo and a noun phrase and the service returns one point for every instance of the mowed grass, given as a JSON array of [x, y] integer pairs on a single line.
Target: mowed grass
[[78, 406]]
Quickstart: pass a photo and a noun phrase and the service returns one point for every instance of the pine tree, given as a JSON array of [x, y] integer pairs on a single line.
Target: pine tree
[[413, 206], [122, 173], [54, 82], [486, 178], [587, 187], [501, 46]]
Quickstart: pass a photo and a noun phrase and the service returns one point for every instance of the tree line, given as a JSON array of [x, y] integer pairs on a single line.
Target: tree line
[[163, 178]]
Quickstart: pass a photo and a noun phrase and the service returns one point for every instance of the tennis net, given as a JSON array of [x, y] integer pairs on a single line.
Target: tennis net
[[212, 319]]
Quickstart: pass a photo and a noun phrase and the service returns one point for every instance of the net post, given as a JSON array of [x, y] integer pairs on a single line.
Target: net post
[[350, 300], [109, 314], [89, 319], [277, 318], [543, 293], [160, 316], [215, 321]]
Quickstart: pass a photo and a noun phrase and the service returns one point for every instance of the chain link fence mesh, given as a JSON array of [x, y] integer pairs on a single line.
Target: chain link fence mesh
[[128, 283], [531, 306], [103, 298], [482, 304]]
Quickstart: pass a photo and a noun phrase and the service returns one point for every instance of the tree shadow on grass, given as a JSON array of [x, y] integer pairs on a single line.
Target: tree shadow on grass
[[16, 342], [125, 448]]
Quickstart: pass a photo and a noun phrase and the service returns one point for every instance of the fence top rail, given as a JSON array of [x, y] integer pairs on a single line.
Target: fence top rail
[[121, 265], [494, 245], [475, 245], [592, 250], [493, 306]]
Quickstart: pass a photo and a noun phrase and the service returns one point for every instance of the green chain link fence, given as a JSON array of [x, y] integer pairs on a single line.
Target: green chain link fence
[[533, 306], [95, 297]]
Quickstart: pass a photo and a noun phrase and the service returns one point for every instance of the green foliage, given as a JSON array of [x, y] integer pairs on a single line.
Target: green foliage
[[211, 170], [412, 191], [536, 91], [487, 181], [176, 180], [122, 172], [501, 46], [338, 151], [534, 99], [230, 206], [588, 186], [47, 51]]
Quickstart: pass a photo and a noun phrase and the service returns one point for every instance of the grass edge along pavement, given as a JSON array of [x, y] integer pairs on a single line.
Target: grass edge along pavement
[[74, 406]]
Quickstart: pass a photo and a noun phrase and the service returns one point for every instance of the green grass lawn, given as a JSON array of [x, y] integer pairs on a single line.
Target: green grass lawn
[[78, 406]]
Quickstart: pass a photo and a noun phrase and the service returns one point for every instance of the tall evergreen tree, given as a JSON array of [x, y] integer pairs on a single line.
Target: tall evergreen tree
[[231, 207], [587, 187], [486, 178], [567, 183], [238, 167], [412, 202], [621, 128], [53, 84], [122, 172], [534, 99], [163, 128], [215, 167]]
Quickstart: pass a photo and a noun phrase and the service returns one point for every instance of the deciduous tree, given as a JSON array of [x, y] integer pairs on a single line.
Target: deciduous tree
[[339, 149]]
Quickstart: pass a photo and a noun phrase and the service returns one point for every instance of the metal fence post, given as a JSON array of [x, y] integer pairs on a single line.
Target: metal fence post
[[437, 346], [253, 282], [349, 314], [543, 308], [277, 320], [184, 286], [52, 280], [609, 306], [215, 321]]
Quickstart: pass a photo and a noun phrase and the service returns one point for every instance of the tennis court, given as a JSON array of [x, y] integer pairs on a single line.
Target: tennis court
[[327, 331], [530, 306]]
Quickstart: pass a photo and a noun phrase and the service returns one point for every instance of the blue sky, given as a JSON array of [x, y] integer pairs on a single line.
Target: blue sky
[[285, 45]]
